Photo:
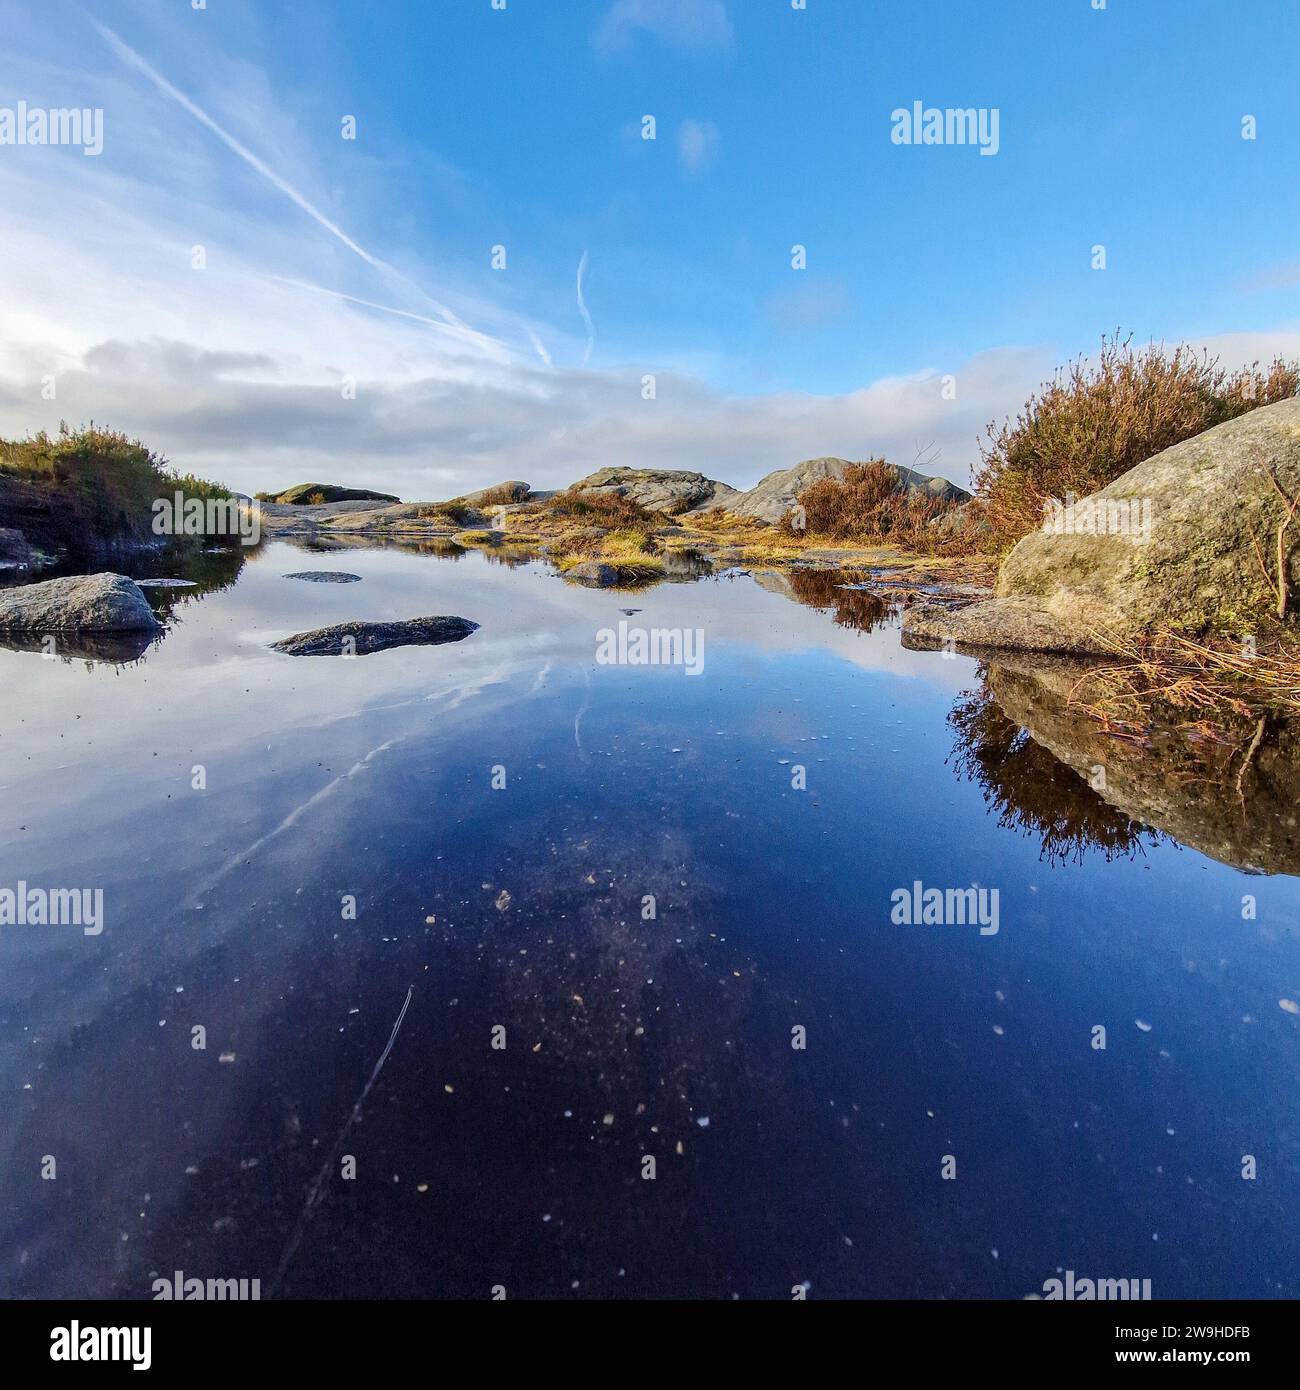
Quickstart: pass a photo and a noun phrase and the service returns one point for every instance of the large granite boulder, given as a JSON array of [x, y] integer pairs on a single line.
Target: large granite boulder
[[1181, 541], [772, 497], [659, 489], [79, 603]]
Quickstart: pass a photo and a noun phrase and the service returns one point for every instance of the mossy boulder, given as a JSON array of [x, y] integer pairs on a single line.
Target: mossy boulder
[[1186, 541], [595, 574]]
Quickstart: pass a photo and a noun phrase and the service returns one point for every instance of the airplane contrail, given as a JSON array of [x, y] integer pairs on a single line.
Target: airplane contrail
[[133, 59], [450, 320], [582, 309], [493, 346]]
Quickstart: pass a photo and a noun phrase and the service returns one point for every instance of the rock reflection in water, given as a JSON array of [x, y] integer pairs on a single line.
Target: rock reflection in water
[[439, 547], [111, 648], [208, 572], [511, 556], [1032, 791], [1049, 769]]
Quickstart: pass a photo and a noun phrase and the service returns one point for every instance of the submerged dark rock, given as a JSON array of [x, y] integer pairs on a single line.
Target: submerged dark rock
[[361, 639], [325, 577]]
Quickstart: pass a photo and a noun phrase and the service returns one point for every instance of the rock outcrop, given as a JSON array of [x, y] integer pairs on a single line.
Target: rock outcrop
[[772, 497], [1181, 541], [660, 489], [80, 603], [361, 639], [313, 493], [45, 522], [501, 494]]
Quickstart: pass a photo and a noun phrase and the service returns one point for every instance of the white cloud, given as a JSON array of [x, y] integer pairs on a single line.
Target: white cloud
[[699, 143], [134, 60], [691, 24], [256, 421]]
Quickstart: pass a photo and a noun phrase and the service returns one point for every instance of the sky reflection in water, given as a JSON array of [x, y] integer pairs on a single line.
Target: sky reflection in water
[[478, 1167]]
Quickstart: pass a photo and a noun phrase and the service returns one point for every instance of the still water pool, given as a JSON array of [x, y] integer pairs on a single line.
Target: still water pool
[[638, 915]]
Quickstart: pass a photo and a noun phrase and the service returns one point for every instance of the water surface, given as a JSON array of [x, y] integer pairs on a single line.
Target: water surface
[[379, 780]]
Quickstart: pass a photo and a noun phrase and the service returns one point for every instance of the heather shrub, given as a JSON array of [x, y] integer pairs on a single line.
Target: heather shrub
[[869, 505], [1096, 420]]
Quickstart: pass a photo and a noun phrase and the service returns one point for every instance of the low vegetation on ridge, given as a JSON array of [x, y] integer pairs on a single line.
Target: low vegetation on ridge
[[96, 484]]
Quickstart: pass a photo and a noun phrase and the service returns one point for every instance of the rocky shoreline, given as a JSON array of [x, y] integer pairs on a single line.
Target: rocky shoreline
[[1192, 540]]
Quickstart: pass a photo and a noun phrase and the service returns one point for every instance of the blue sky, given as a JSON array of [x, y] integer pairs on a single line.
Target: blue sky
[[521, 127]]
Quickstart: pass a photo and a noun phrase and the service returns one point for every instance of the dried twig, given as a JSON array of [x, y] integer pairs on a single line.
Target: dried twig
[[1281, 588]]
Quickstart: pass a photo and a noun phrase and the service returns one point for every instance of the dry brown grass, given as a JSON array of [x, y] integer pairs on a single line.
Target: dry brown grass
[[500, 496], [104, 480], [719, 521], [610, 509], [1206, 680], [1094, 422]]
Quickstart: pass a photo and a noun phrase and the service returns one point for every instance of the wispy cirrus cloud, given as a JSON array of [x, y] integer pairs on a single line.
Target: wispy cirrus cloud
[[685, 24], [276, 180]]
